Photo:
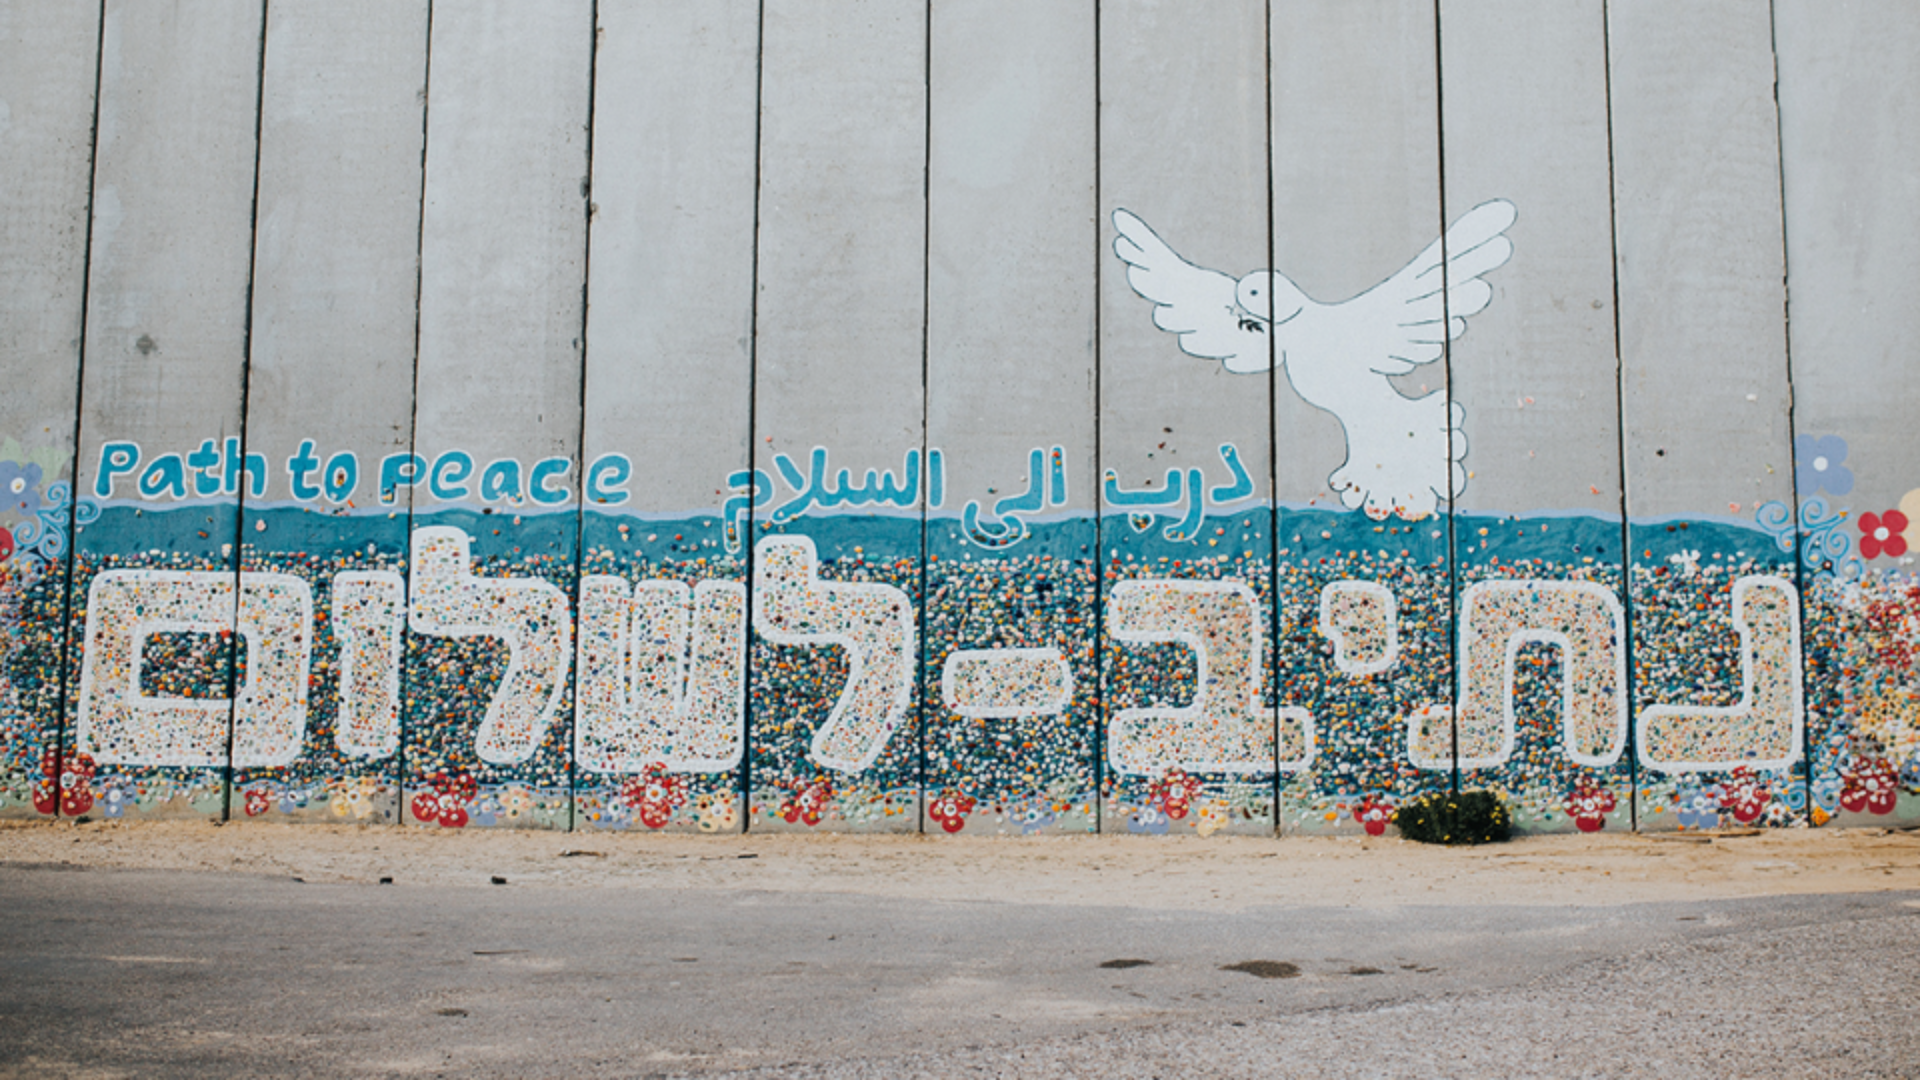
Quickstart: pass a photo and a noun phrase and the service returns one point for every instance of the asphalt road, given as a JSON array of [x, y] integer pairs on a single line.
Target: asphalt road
[[171, 973]]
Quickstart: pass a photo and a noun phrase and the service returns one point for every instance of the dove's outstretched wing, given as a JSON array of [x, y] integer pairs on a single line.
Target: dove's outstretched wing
[[1417, 310], [1197, 304]]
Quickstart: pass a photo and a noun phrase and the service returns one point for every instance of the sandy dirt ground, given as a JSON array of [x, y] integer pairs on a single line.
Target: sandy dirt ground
[[1217, 874]]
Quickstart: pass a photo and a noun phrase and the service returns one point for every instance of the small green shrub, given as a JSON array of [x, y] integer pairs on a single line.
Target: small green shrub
[[1471, 817]]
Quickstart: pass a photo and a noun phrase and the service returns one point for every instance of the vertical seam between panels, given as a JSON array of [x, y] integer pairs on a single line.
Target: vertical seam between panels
[[1455, 631], [921, 689], [246, 378], [1793, 450], [1096, 639], [580, 445], [1276, 612], [413, 428], [744, 790], [1620, 434], [79, 402]]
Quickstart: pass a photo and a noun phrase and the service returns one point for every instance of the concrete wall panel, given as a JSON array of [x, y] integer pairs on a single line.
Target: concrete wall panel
[[330, 381], [668, 403], [1010, 375], [1705, 398], [1851, 181], [161, 400], [47, 67], [1537, 376], [839, 412], [1183, 155], [487, 723], [1356, 197]]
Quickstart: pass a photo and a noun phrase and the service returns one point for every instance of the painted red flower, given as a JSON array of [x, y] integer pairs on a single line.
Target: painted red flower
[[461, 787], [808, 802], [1870, 786], [951, 810], [1589, 804], [448, 800], [46, 790], [654, 794], [1173, 793], [1891, 627], [258, 802], [1743, 795], [1883, 534], [6, 544], [73, 781], [1373, 815]]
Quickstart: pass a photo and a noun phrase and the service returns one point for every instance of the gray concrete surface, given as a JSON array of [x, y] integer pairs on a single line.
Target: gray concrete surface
[[167, 307], [113, 973], [1852, 189], [1356, 180], [1526, 121], [1701, 264], [46, 126], [337, 240], [1012, 247], [503, 243], [1181, 146], [670, 299], [842, 244]]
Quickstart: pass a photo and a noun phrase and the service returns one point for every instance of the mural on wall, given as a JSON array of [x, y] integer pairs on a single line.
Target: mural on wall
[[658, 667], [1405, 455], [1404, 461], [35, 508], [660, 671], [1862, 618], [493, 626]]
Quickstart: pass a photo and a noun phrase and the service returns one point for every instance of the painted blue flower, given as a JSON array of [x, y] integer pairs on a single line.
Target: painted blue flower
[[1826, 793], [485, 811], [1033, 817], [1817, 464], [19, 489], [1910, 774], [1148, 821], [1792, 795], [1699, 809], [113, 802]]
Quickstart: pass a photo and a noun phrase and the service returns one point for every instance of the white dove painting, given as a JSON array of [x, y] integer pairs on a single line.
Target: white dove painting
[[1404, 455]]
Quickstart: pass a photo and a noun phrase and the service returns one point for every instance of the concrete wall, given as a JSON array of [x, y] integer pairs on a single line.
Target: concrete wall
[[814, 415]]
